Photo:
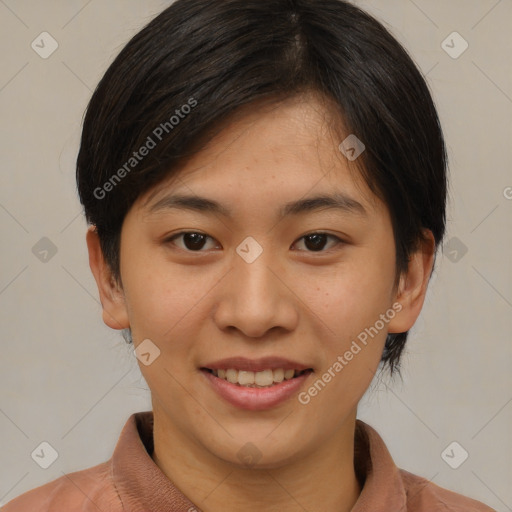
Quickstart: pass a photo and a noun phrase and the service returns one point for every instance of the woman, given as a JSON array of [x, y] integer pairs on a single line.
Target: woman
[[265, 182]]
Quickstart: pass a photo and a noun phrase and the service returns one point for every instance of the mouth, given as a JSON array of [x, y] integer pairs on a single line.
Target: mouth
[[256, 384], [266, 378]]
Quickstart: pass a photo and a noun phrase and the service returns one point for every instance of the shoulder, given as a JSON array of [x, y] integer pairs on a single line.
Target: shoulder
[[84, 490], [425, 495]]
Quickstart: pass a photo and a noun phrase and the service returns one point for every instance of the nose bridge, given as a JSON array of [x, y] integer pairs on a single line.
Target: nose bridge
[[254, 299], [256, 276], [254, 283]]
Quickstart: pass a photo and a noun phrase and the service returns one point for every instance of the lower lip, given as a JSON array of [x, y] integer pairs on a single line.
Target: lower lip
[[255, 399]]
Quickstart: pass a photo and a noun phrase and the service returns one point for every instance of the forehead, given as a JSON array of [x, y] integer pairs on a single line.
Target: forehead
[[270, 152]]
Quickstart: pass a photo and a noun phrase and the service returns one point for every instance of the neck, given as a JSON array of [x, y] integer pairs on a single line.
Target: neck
[[324, 479]]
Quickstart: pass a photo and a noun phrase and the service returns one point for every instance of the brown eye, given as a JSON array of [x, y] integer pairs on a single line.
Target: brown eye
[[191, 240], [316, 242]]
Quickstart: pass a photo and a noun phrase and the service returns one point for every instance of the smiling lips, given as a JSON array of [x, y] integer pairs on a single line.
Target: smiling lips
[[256, 384], [262, 379]]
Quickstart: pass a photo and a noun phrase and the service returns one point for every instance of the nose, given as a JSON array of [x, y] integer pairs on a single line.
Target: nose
[[257, 297]]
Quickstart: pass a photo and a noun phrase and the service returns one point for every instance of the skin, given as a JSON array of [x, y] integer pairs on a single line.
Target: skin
[[292, 301]]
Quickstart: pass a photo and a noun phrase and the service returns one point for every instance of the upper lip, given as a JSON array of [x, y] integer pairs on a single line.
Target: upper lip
[[255, 365]]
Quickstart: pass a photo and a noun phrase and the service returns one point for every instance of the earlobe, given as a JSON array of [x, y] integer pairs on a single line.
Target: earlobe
[[413, 285], [111, 296]]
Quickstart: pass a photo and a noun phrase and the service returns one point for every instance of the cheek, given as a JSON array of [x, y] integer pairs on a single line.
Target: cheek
[[165, 299], [157, 304], [351, 342], [351, 297]]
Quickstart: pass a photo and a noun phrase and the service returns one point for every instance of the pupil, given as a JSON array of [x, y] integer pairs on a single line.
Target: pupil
[[193, 240], [318, 241]]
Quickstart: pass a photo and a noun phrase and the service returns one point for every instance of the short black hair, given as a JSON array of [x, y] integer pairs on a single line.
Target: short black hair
[[200, 61]]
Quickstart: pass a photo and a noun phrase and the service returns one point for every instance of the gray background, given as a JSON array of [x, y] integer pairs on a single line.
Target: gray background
[[69, 380]]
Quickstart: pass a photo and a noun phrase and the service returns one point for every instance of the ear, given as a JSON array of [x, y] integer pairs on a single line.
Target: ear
[[413, 285], [112, 299]]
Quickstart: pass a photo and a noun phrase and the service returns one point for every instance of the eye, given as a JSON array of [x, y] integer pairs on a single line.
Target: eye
[[195, 241], [192, 240], [315, 242]]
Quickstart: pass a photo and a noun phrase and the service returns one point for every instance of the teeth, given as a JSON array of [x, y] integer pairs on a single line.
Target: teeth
[[245, 378], [288, 374], [263, 379], [278, 375], [232, 376]]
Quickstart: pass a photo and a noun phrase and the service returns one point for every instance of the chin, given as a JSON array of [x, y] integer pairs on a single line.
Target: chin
[[258, 452]]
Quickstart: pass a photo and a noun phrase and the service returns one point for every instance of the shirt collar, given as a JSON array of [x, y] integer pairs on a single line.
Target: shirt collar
[[383, 488], [141, 485]]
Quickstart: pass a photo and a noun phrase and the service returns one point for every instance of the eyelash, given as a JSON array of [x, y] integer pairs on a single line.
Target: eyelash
[[171, 239]]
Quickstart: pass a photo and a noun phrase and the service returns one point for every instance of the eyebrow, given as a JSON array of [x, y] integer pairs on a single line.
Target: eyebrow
[[336, 201]]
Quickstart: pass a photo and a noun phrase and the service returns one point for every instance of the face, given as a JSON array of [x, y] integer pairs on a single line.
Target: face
[[269, 309]]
